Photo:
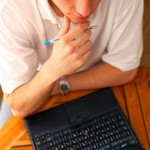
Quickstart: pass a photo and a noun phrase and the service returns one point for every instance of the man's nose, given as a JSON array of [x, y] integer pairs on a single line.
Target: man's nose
[[84, 7]]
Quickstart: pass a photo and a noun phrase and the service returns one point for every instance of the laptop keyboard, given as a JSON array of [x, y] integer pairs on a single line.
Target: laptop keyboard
[[105, 132]]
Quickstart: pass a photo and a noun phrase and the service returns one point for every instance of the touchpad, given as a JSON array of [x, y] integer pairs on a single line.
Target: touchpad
[[77, 113]]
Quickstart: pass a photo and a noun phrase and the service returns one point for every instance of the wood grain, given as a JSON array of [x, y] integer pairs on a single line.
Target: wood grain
[[144, 96], [135, 114]]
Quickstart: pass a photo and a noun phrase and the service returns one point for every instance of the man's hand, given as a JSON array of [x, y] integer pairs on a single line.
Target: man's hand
[[72, 50]]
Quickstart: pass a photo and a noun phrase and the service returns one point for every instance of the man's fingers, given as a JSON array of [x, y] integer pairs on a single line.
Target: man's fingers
[[84, 48], [64, 28], [78, 31], [82, 39]]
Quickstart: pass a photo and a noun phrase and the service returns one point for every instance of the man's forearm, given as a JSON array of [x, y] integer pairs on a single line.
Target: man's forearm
[[74, 51], [30, 96], [100, 76]]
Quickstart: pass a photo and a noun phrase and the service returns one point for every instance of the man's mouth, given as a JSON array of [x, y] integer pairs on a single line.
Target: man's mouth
[[80, 18]]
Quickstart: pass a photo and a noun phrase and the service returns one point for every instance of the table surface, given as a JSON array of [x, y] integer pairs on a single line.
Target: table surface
[[134, 99]]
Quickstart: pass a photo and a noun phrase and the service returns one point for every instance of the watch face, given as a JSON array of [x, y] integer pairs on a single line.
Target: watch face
[[64, 88]]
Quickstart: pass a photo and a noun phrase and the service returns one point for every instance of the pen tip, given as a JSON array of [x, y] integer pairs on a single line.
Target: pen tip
[[47, 43]]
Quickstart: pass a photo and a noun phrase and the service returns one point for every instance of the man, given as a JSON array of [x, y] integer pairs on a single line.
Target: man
[[32, 72]]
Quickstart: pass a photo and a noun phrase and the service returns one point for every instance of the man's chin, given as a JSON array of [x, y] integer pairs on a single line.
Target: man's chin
[[77, 20]]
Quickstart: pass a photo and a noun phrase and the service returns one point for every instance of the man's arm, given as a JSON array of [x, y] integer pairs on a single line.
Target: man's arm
[[68, 55], [99, 76], [30, 96]]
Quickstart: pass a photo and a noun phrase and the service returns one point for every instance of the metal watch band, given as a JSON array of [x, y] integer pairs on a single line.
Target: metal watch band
[[64, 86]]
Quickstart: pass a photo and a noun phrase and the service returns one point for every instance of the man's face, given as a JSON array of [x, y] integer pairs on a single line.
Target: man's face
[[78, 11]]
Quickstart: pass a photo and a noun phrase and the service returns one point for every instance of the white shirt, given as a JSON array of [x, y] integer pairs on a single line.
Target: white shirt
[[26, 24]]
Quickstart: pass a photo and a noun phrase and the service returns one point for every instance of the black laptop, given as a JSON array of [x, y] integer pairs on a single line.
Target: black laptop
[[92, 122]]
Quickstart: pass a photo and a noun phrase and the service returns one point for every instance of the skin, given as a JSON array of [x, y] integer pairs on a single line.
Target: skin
[[76, 10], [75, 51]]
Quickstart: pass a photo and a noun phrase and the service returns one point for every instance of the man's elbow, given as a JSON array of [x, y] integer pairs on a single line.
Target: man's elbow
[[20, 110], [16, 110], [20, 114], [130, 75]]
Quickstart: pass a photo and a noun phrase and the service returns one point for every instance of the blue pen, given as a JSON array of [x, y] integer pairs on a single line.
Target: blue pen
[[57, 39], [52, 41]]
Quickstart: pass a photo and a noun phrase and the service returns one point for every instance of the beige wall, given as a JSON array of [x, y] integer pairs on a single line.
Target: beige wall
[[145, 61], [1, 94]]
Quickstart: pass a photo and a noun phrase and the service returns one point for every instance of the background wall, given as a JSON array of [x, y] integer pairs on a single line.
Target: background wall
[[145, 61], [1, 94]]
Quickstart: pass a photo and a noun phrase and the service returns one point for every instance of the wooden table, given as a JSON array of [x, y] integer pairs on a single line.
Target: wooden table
[[134, 99]]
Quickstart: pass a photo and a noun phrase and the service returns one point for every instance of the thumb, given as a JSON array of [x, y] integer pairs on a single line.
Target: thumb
[[65, 28]]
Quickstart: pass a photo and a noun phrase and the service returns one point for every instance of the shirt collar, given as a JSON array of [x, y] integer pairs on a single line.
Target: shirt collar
[[48, 13]]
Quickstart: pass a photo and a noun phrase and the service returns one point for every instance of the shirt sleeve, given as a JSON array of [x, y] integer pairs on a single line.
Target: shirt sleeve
[[18, 60], [125, 45]]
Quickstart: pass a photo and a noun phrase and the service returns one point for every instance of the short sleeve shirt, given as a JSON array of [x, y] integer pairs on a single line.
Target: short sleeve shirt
[[26, 24]]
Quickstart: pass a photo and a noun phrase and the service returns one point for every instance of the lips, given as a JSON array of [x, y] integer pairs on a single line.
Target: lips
[[79, 18]]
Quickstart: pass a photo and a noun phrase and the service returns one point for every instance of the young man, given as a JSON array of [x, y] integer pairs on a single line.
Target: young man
[[32, 72]]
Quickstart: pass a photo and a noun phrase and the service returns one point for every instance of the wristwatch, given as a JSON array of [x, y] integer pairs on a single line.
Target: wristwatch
[[64, 86]]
